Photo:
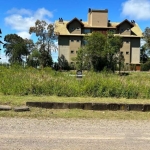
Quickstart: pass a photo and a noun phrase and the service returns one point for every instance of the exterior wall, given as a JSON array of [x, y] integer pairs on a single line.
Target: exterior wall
[[75, 44], [75, 27], [125, 29], [98, 18], [103, 31], [64, 48], [135, 50], [126, 49], [89, 18]]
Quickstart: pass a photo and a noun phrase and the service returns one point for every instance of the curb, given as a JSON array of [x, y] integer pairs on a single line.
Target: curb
[[5, 108], [16, 109], [91, 106]]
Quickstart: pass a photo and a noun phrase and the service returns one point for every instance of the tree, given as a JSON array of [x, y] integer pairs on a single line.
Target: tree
[[63, 63], [15, 48], [114, 57], [144, 54], [95, 50], [46, 40], [146, 37], [34, 58], [100, 51]]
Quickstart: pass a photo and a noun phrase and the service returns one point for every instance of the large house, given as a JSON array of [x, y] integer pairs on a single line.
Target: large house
[[71, 33]]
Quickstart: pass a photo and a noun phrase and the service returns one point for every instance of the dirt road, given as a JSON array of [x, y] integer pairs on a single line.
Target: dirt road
[[73, 134]]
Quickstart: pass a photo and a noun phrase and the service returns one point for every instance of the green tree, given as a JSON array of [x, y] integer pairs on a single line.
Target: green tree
[[100, 51], [81, 59], [114, 57], [15, 48], [146, 37], [34, 58], [144, 54], [46, 40], [95, 50], [63, 63]]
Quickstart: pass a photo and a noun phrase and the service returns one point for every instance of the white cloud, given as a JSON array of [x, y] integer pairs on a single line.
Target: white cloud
[[22, 19], [24, 34], [136, 9], [19, 11]]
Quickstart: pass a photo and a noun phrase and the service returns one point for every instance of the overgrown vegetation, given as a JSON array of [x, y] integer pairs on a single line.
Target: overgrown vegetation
[[25, 81]]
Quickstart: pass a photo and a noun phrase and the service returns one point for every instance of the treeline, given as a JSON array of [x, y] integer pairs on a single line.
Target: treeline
[[26, 52]]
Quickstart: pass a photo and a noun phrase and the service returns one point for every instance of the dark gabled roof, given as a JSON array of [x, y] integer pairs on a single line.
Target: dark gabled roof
[[74, 20], [132, 25]]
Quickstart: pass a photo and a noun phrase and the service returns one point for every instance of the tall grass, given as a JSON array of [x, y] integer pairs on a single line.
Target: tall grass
[[26, 81]]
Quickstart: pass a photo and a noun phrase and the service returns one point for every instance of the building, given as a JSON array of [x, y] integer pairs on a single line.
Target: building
[[71, 33]]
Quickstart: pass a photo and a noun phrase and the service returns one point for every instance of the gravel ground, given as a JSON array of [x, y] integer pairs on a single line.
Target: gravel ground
[[74, 134]]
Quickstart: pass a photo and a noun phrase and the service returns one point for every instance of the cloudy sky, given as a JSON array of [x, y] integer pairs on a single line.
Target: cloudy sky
[[18, 15]]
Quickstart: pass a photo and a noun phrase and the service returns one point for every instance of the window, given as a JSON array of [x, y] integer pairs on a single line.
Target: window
[[121, 53], [78, 28], [72, 29], [127, 53], [72, 40], [72, 52], [87, 31], [112, 31], [78, 40], [127, 41], [122, 30]]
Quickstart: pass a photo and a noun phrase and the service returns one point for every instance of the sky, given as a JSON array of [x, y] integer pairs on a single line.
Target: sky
[[17, 16]]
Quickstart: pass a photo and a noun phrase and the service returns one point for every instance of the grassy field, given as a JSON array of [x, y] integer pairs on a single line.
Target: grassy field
[[30, 81], [19, 85]]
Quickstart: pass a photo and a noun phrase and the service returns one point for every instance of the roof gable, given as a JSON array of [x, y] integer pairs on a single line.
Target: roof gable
[[131, 24], [75, 19]]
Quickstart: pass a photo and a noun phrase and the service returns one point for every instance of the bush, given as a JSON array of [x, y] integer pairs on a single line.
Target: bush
[[145, 66]]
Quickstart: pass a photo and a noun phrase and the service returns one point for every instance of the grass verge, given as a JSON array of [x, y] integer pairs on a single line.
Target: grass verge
[[77, 114], [74, 113], [21, 100]]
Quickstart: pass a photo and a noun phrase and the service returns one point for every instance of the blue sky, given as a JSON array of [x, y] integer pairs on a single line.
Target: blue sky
[[18, 15]]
